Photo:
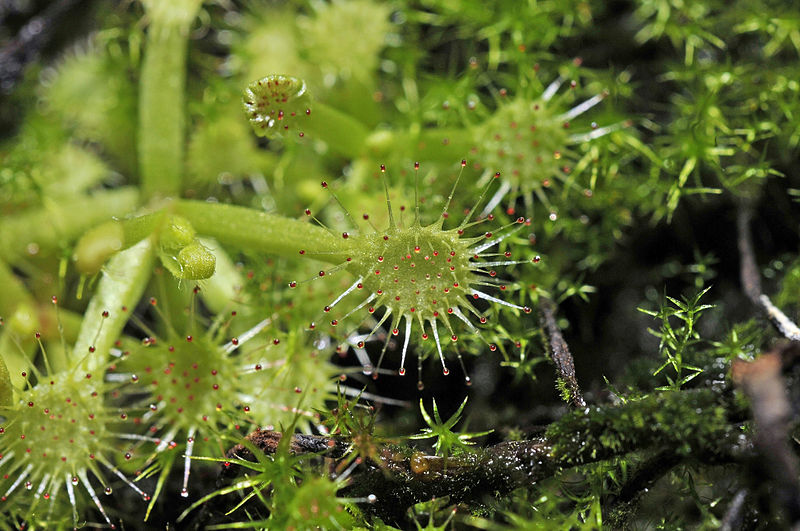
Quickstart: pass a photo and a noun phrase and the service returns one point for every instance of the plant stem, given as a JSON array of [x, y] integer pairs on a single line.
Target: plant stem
[[341, 132], [258, 231], [762, 382], [58, 223], [161, 96], [13, 293], [224, 288], [751, 281], [435, 145], [560, 354], [6, 389], [124, 279]]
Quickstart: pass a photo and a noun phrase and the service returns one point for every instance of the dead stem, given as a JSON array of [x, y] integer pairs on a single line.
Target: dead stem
[[751, 281], [562, 358], [763, 383]]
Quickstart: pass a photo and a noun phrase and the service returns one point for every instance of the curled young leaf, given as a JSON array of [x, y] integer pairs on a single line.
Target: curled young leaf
[[276, 105]]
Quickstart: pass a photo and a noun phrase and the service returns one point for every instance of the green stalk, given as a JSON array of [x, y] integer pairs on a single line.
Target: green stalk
[[161, 96], [258, 231], [436, 145], [342, 133], [6, 389], [13, 293], [57, 223], [124, 279], [224, 289], [16, 357]]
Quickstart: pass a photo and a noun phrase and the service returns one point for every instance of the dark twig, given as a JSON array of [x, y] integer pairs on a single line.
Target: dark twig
[[268, 441], [733, 516], [763, 383], [675, 426], [751, 281], [643, 478], [562, 358]]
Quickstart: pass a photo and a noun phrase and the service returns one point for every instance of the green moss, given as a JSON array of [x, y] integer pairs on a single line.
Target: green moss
[[692, 423]]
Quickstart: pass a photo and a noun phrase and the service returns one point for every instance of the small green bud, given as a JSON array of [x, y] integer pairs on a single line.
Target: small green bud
[[196, 262], [177, 234]]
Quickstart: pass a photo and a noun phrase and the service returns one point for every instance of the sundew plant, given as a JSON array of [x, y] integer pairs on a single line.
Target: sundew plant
[[337, 264]]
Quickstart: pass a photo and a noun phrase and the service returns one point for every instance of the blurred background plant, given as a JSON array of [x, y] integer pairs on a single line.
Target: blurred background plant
[[179, 278]]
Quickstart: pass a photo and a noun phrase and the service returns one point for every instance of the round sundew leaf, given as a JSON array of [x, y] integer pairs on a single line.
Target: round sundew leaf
[[277, 105]]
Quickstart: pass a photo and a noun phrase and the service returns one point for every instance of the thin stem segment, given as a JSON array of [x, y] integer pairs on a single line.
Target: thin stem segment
[[258, 231], [161, 96]]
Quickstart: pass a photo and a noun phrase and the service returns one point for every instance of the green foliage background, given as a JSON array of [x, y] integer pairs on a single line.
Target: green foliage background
[[124, 145]]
